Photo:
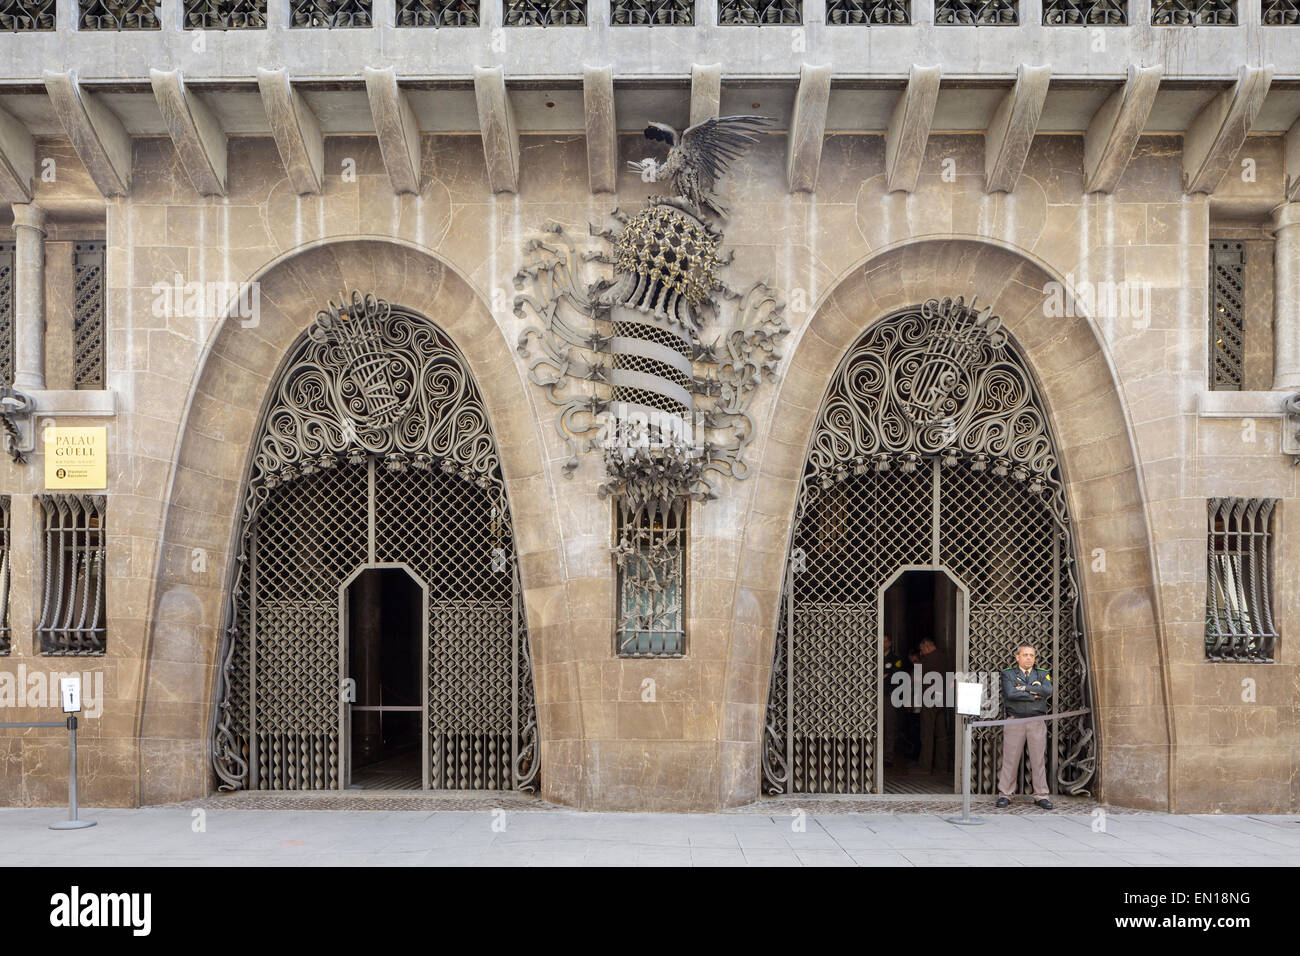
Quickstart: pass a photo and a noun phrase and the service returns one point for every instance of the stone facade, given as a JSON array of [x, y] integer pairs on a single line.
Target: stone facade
[[1142, 444]]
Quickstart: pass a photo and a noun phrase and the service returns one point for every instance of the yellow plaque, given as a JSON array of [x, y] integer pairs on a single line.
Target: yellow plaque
[[76, 458]]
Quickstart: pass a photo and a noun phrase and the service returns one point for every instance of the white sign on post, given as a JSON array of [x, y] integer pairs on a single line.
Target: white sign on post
[[969, 696], [70, 692]]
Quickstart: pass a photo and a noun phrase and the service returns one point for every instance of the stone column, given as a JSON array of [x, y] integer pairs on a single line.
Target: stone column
[[29, 297], [1286, 296]]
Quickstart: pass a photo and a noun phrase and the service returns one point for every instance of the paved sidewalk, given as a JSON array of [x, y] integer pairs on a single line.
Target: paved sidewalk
[[165, 835]]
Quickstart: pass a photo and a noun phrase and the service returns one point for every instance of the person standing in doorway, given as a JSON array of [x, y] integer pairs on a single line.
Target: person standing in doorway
[[934, 724], [892, 664], [1026, 691]]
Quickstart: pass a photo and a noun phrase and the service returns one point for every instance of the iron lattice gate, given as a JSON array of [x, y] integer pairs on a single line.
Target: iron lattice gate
[[932, 449], [375, 450]]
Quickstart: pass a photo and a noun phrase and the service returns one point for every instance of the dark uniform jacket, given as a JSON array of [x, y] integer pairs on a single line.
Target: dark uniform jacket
[[1026, 696]]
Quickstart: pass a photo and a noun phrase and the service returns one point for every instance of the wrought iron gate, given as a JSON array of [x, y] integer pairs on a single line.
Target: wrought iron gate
[[374, 449], [932, 448]]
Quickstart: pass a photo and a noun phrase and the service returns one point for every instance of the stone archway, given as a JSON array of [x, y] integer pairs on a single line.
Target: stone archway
[[1103, 488]]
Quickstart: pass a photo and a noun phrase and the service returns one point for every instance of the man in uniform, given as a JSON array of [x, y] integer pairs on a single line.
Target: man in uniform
[[893, 664], [1025, 693]]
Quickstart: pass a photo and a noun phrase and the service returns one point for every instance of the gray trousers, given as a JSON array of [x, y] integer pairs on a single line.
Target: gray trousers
[[1016, 738]]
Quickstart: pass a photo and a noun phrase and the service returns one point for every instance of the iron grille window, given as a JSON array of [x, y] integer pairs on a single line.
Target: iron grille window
[[978, 13], [330, 13], [6, 313], [1227, 316], [652, 13], [72, 612], [1239, 600], [1066, 13], [88, 315], [119, 15], [760, 12], [437, 13], [4, 574], [1194, 13], [651, 553], [225, 14], [853, 12], [1281, 13], [545, 13], [25, 15]]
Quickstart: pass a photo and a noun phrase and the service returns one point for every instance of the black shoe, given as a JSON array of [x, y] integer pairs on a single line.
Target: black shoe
[[1003, 802], [1044, 803]]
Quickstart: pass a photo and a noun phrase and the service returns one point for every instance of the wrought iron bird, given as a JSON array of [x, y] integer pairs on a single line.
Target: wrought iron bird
[[699, 156]]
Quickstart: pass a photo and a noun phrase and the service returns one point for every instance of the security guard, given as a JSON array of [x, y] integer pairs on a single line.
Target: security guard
[[892, 665], [1025, 692]]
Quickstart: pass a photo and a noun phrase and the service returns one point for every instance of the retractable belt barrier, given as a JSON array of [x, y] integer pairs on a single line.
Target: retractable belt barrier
[[72, 823]]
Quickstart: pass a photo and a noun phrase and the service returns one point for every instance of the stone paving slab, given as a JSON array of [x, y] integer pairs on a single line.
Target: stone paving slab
[[544, 836]]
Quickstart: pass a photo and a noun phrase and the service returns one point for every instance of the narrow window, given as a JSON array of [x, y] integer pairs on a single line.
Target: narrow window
[[1227, 316], [6, 313], [650, 551], [88, 315], [1239, 600], [72, 612], [4, 574]]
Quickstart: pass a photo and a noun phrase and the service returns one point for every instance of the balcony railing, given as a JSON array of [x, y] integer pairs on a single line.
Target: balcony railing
[[753, 13], [1193, 13], [1068, 13], [857, 12], [977, 13]]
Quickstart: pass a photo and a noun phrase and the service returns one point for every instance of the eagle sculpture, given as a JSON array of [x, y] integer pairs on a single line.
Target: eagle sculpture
[[699, 156]]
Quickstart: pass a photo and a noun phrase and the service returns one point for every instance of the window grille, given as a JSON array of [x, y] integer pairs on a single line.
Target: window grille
[[760, 12], [652, 13], [88, 315], [651, 552], [6, 313], [979, 13], [437, 13], [330, 13], [854, 12], [25, 15], [1227, 316], [1066, 13], [1281, 13], [119, 15], [72, 612], [545, 13], [4, 574], [1239, 599], [225, 14], [1194, 13]]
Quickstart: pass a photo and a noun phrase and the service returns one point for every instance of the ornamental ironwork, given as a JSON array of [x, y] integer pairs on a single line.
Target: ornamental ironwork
[[1085, 12], [977, 13], [437, 13], [755, 13], [374, 450], [6, 313], [1239, 600], [545, 13], [119, 15], [652, 13], [225, 14], [932, 449], [1281, 13], [27, 15], [4, 574], [331, 13], [72, 621], [1193, 13], [88, 314], [651, 558], [856, 12], [1227, 316]]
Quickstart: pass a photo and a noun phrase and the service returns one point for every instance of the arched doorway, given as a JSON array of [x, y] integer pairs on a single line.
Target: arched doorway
[[374, 451], [932, 449]]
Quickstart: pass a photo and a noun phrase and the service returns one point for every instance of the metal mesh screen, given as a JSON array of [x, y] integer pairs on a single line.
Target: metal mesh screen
[[88, 315], [72, 609], [1239, 600], [1227, 315]]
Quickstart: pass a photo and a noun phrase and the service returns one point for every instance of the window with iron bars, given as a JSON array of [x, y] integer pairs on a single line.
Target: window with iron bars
[[1281, 13], [6, 313], [869, 12], [652, 13], [545, 13], [225, 14], [72, 618], [1227, 315], [119, 15], [330, 13], [5, 538], [437, 13], [1239, 599], [1194, 13], [1092, 13], [650, 552], [977, 13], [88, 314], [21, 16], [753, 13]]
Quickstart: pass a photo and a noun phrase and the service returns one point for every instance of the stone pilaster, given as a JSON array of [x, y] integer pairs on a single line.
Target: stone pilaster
[[29, 304], [1286, 296]]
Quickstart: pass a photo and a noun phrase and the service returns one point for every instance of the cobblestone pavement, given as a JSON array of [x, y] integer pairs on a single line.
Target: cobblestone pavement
[[513, 830]]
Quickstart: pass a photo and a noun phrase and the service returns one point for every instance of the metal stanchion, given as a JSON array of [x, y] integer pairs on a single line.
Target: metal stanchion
[[72, 823], [965, 819]]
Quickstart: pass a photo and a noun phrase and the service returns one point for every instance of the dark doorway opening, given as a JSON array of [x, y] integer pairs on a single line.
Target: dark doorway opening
[[385, 658], [918, 720]]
